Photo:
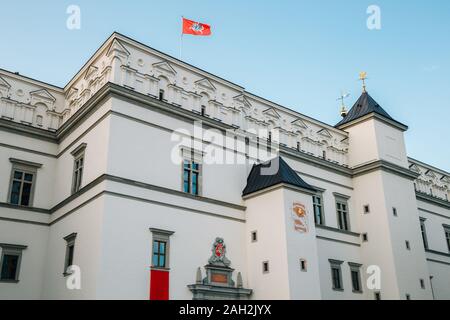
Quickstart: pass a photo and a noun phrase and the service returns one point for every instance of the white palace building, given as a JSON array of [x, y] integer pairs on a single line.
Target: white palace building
[[147, 178]]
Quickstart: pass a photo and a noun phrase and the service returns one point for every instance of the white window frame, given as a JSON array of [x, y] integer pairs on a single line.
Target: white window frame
[[26, 167], [161, 236], [11, 249], [70, 242], [319, 195], [341, 200], [79, 154], [192, 156], [356, 267], [336, 264]]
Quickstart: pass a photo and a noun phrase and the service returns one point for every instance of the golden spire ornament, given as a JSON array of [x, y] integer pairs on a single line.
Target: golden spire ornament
[[363, 78]]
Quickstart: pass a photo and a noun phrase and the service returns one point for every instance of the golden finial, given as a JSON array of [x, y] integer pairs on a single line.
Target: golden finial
[[363, 78]]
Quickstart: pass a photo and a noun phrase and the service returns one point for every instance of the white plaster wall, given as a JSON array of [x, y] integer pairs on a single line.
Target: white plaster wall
[[45, 175], [302, 285], [124, 271], [391, 144], [266, 215], [441, 279], [148, 158], [87, 222], [33, 265], [96, 136], [411, 265], [363, 144], [329, 249], [378, 250]]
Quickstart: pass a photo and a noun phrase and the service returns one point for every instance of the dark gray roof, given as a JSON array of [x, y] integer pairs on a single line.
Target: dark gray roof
[[285, 174], [364, 106]]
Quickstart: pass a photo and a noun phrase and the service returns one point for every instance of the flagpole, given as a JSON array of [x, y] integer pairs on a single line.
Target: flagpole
[[181, 38], [181, 46]]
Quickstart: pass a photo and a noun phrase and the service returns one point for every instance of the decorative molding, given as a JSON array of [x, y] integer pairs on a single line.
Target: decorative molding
[[25, 163], [165, 66], [385, 166]]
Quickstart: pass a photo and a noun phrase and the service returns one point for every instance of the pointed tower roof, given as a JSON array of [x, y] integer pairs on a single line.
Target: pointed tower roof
[[366, 105], [285, 174]]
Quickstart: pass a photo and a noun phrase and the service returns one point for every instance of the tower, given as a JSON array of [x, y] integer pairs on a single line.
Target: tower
[[283, 235], [384, 199]]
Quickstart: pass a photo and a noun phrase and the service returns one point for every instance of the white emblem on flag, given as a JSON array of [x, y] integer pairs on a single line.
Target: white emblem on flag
[[197, 27]]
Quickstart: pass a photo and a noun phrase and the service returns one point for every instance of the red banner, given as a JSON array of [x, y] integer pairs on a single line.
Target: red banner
[[159, 285], [196, 28]]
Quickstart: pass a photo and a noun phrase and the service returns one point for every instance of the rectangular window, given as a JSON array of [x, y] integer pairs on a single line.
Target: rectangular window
[[160, 264], [336, 275], [254, 236], [161, 95], [355, 275], [191, 177], [447, 236], [424, 233], [377, 296], [394, 211], [78, 167], [159, 254], [70, 252], [303, 265], [160, 248], [408, 297], [365, 237], [422, 284], [318, 209], [407, 245], [10, 259], [342, 215], [266, 267], [366, 209], [22, 183]]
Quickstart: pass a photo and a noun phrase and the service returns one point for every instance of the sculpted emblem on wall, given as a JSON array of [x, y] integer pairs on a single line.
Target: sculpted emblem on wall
[[300, 217]]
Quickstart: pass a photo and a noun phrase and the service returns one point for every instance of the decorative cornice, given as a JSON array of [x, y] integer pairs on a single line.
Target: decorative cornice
[[372, 115], [350, 233], [433, 200], [27, 130], [25, 163], [385, 166], [276, 187]]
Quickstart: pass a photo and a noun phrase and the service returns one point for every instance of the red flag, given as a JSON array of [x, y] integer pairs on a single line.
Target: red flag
[[196, 28]]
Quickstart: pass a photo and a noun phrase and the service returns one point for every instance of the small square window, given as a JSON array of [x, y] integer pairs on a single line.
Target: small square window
[[408, 297], [365, 237], [377, 296], [266, 267], [422, 283], [366, 209], [254, 236], [303, 265], [408, 247], [394, 212]]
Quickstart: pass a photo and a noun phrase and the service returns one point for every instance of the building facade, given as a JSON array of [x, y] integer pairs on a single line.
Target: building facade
[[145, 177]]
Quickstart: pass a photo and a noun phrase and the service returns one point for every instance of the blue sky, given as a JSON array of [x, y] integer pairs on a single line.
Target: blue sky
[[300, 54]]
